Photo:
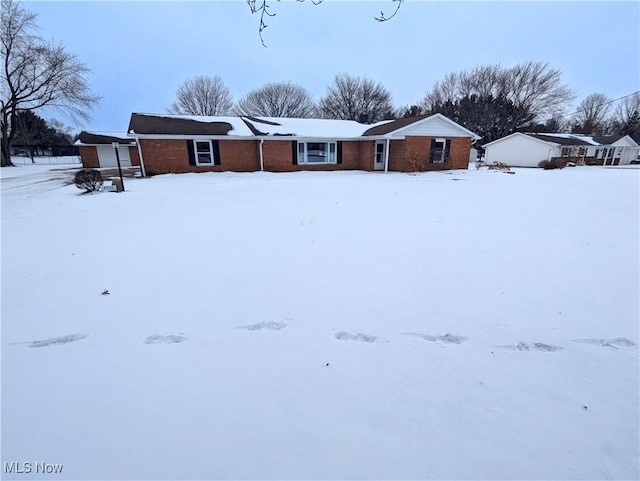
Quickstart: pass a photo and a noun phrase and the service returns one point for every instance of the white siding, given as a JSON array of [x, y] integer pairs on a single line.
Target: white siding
[[519, 151], [629, 154], [625, 141], [431, 127]]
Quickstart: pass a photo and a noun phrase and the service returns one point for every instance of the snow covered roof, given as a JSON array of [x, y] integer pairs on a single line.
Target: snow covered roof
[[245, 126], [323, 128], [567, 139], [98, 138], [564, 139], [187, 125]]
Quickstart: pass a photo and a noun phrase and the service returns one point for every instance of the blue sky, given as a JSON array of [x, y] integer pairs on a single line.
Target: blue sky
[[139, 52]]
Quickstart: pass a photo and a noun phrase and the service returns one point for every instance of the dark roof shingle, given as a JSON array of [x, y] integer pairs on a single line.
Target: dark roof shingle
[[151, 124], [393, 125], [607, 139], [559, 140], [91, 138]]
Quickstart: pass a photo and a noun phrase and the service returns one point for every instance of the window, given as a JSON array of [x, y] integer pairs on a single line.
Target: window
[[203, 151], [317, 153], [439, 151], [379, 153], [607, 153]]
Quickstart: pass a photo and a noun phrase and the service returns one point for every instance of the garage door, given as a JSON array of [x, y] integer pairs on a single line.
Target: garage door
[[107, 156]]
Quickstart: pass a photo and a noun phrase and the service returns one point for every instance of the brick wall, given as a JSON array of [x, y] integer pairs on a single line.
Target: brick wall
[[89, 157], [133, 155], [412, 154], [397, 159], [277, 156], [171, 156], [240, 155], [366, 150]]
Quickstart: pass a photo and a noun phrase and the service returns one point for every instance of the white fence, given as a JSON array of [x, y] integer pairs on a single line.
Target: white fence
[[46, 160]]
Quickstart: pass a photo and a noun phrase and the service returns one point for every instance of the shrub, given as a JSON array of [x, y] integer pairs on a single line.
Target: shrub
[[414, 164], [552, 164], [88, 179], [499, 166]]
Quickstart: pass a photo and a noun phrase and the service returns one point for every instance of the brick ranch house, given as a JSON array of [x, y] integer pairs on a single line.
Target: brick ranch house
[[162, 144]]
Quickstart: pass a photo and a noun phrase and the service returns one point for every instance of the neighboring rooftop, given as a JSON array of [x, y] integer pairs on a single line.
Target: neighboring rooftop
[[563, 139]]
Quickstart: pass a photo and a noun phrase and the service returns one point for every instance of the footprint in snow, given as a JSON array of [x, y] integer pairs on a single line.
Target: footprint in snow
[[269, 325], [616, 343], [532, 346], [446, 338], [160, 339], [58, 341], [355, 336]]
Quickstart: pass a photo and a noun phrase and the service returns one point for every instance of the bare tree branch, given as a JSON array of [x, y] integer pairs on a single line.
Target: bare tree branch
[[350, 98], [591, 116], [36, 74], [263, 9], [626, 117], [202, 95], [282, 99], [513, 97], [383, 18]]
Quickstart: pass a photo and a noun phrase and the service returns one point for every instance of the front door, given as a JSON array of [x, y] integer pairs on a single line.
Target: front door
[[378, 159]]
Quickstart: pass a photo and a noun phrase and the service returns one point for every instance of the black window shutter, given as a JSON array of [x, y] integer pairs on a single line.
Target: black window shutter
[[192, 155], [216, 152], [339, 154], [294, 152], [447, 149]]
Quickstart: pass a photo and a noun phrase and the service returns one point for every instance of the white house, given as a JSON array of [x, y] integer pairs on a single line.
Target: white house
[[528, 149]]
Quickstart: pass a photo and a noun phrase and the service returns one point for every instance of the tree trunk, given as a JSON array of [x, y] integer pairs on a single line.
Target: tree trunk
[[5, 149], [6, 140]]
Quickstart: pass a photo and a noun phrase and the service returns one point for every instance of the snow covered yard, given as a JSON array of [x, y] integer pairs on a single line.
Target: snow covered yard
[[323, 325]]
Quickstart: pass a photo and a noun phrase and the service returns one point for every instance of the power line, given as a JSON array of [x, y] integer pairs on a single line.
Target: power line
[[602, 104]]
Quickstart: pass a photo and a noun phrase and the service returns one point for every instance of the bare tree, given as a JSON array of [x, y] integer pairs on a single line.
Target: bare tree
[[36, 74], [626, 117], [530, 91], [356, 98], [202, 95], [591, 116], [277, 99]]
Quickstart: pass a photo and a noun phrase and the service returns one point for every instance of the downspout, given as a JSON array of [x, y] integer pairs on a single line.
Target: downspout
[[386, 155], [142, 169], [261, 155]]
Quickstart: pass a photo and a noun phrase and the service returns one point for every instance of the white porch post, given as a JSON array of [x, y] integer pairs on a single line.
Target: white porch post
[[386, 155], [142, 169], [261, 156]]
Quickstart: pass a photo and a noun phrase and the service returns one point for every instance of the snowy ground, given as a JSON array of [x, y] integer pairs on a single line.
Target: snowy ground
[[447, 325]]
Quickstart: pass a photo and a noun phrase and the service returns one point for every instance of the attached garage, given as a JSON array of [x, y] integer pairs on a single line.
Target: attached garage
[[98, 152]]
